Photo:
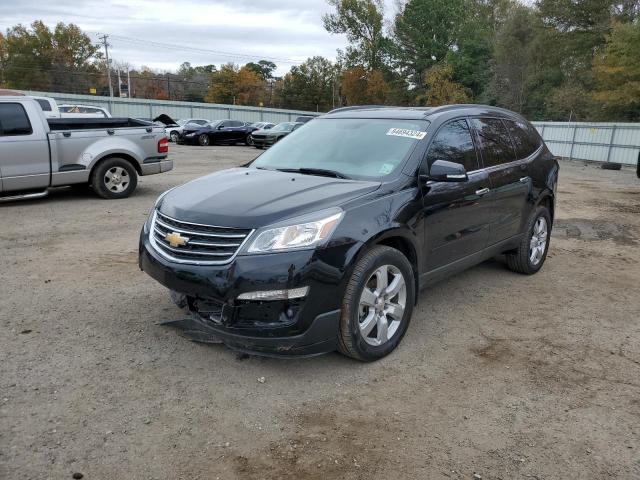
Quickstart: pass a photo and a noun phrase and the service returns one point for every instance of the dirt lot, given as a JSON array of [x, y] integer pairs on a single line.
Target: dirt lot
[[500, 375]]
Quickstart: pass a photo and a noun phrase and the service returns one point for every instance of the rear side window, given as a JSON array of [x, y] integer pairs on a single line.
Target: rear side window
[[44, 105], [494, 140], [525, 139], [454, 143], [14, 120]]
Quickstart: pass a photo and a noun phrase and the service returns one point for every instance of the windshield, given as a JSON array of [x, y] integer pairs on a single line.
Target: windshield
[[282, 127], [359, 148]]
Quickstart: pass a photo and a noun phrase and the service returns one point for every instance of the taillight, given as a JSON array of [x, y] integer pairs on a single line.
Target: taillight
[[163, 146]]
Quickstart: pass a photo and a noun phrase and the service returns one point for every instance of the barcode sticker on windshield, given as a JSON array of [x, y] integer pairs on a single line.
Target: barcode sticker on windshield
[[403, 132]]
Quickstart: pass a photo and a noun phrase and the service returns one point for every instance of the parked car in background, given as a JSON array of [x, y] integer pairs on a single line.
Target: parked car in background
[[266, 138], [259, 126], [83, 111], [175, 129], [304, 119], [37, 153], [322, 242], [220, 131]]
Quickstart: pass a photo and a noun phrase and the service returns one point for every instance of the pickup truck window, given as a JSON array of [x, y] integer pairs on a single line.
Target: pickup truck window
[[453, 143], [14, 120], [46, 106], [353, 147]]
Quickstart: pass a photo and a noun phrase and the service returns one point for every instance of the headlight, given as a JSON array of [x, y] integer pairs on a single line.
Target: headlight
[[297, 236]]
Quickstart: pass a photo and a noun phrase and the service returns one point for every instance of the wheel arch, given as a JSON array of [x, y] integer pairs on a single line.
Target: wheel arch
[[134, 163], [401, 241]]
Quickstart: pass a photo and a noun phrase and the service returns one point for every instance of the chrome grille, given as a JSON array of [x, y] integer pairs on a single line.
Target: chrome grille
[[204, 244]]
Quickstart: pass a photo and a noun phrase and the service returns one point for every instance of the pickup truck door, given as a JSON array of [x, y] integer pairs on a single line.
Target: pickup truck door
[[24, 147], [456, 214]]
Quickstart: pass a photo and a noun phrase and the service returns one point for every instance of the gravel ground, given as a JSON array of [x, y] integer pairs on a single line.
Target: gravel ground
[[500, 376]]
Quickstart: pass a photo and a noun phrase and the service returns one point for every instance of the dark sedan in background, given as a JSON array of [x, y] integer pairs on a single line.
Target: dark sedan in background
[[216, 132], [266, 138]]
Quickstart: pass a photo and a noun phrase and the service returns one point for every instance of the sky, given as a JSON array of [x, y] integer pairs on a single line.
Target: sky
[[283, 31]]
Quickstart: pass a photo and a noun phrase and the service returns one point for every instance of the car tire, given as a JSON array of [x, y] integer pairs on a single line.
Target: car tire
[[204, 140], [114, 178], [173, 136], [611, 166], [358, 337], [248, 140], [538, 230]]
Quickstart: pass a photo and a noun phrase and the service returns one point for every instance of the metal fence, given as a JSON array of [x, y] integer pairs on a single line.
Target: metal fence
[[144, 108], [600, 142]]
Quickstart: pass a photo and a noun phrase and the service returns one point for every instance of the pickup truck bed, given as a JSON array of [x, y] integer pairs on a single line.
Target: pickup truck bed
[[108, 153]]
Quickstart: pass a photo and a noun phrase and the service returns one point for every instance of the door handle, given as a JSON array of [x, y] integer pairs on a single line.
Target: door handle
[[524, 180], [483, 191]]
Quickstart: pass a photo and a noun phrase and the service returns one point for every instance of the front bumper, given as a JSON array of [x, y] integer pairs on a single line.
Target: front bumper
[[264, 142], [306, 326]]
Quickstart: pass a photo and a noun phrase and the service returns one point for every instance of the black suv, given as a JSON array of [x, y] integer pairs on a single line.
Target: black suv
[[323, 241]]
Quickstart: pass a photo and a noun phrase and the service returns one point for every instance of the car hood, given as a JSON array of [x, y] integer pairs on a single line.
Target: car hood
[[251, 198]]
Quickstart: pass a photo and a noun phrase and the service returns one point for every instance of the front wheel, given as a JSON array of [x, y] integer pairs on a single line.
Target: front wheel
[[204, 140], [377, 305], [173, 136], [530, 255], [114, 178]]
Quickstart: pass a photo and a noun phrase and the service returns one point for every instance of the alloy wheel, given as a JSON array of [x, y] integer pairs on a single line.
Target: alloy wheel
[[117, 179], [382, 305], [538, 242]]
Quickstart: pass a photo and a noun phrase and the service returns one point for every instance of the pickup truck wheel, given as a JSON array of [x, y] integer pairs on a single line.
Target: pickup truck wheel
[[377, 305], [530, 255], [114, 178], [174, 137], [204, 140]]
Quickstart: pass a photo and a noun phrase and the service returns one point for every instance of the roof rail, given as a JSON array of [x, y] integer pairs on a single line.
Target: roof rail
[[357, 107]]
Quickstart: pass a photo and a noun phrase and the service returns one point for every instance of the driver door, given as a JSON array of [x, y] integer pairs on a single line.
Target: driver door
[[457, 214]]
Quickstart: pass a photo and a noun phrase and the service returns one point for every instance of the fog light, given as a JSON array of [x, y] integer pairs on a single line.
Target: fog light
[[275, 294]]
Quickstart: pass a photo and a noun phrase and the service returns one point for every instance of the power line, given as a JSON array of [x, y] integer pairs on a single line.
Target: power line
[[106, 52], [150, 43]]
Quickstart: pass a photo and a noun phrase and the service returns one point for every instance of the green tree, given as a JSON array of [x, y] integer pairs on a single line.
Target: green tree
[[222, 86], [425, 32], [309, 86], [38, 58], [441, 88], [362, 22], [617, 74], [264, 68]]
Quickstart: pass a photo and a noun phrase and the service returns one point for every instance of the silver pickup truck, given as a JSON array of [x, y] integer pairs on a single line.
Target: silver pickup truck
[[37, 153]]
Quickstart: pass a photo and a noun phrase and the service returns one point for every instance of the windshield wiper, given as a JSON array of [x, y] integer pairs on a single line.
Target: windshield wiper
[[314, 171]]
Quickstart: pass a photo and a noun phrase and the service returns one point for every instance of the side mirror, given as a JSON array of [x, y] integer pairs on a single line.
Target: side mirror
[[444, 171], [220, 127]]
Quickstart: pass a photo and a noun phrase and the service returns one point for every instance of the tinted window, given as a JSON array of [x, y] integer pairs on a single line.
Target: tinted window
[[525, 138], [234, 123], [44, 105], [495, 142], [200, 122], [13, 120], [454, 143]]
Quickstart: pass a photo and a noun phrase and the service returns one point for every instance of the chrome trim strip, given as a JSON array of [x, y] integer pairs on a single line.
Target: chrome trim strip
[[202, 244], [192, 232], [171, 258], [199, 224]]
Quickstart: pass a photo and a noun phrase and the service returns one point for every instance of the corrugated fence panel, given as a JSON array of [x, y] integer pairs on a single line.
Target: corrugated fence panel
[[144, 108], [600, 142]]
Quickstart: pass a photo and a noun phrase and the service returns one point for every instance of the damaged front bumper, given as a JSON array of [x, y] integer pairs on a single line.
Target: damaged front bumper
[[217, 311]]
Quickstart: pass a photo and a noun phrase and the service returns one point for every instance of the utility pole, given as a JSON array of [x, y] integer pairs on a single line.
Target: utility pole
[[106, 52]]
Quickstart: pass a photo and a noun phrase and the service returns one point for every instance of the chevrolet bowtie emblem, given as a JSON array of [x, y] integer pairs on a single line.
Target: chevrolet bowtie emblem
[[176, 240]]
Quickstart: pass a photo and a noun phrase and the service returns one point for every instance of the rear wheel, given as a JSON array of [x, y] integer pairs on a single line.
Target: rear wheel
[[377, 305], [204, 140], [530, 255], [248, 140], [114, 178]]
